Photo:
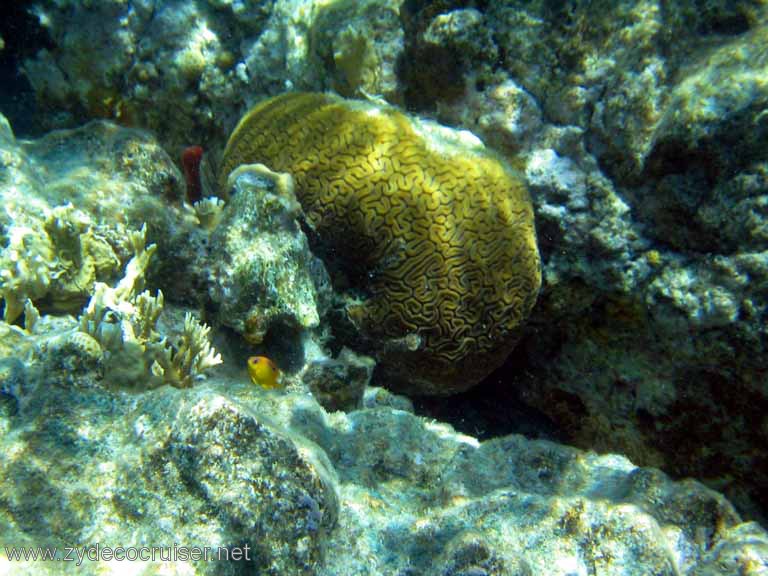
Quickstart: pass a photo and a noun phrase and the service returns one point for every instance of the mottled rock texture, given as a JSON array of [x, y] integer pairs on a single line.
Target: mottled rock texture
[[262, 272], [189, 70], [650, 187], [376, 491], [339, 383], [158, 469]]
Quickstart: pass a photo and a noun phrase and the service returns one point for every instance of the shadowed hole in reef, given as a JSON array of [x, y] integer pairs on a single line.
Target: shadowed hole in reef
[[430, 73], [494, 407], [283, 344], [23, 36]]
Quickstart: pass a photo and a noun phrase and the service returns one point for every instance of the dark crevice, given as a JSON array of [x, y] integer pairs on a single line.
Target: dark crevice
[[428, 73], [23, 37], [494, 407]]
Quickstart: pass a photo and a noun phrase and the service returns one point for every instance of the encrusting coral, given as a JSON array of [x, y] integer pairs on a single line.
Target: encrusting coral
[[59, 262], [435, 232], [123, 321], [24, 270]]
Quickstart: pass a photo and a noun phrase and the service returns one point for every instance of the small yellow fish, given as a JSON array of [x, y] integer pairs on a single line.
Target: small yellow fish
[[264, 372]]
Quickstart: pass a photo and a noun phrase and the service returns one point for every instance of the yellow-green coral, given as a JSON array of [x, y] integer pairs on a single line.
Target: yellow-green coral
[[58, 260], [441, 231]]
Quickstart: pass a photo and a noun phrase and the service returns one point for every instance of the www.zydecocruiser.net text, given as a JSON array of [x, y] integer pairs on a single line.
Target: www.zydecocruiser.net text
[[99, 553]]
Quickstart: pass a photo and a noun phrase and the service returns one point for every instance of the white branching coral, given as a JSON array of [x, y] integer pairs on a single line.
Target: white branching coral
[[124, 322], [31, 316], [194, 356], [133, 280], [209, 212]]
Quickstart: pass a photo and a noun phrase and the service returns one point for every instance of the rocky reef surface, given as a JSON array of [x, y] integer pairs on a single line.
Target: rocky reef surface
[[301, 491], [95, 450], [92, 457], [640, 128]]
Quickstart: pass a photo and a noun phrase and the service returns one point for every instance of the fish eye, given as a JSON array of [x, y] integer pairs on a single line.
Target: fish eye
[[111, 316]]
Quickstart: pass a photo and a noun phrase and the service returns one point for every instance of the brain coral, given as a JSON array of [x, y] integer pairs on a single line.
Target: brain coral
[[434, 232]]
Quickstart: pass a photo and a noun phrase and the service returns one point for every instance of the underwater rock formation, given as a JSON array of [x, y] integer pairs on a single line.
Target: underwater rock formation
[[58, 234], [376, 491], [189, 71], [339, 383], [262, 272], [192, 469], [227, 464], [359, 45], [433, 234], [650, 336], [276, 491], [640, 128]]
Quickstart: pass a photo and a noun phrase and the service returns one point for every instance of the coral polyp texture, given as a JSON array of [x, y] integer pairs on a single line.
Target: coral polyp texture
[[433, 233]]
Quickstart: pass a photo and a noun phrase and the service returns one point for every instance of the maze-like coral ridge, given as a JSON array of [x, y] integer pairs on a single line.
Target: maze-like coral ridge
[[445, 235]]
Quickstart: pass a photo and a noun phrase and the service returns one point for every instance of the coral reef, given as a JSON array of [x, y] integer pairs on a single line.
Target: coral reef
[[656, 347], [640, 127], [63, 245], [70, 202], [446, 50], [377, 490], [435, 233], [58, 234], [181, 70], [122, 321], [359, 44], [58, 264], [263, 273]]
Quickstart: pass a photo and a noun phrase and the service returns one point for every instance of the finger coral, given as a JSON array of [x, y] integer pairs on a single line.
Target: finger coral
[[123, 322], [434, 232]]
